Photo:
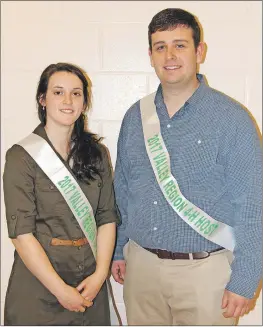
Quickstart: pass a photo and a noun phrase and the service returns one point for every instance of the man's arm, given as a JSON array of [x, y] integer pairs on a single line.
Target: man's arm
[[244, 178], [121, 193]]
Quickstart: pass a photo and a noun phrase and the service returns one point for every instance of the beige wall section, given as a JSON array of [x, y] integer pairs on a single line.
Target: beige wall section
[[109, 40]]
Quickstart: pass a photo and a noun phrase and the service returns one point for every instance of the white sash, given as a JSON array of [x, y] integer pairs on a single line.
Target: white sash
[[53, 167], [213, 230]]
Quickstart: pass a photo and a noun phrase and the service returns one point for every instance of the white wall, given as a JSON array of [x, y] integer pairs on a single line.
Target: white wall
[[109, 40]]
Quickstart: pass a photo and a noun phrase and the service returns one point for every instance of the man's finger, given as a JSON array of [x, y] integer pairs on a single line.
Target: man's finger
[[237, 312], [224, 301], [229, 310], [243, 311], [117, 277]]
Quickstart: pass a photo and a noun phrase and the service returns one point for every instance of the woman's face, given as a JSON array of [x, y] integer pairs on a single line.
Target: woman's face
[[64, 100]]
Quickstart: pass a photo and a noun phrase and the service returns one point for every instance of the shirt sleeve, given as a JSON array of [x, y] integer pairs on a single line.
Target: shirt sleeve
[[19, 196], [244, 175], [106, 211], [121, 191]]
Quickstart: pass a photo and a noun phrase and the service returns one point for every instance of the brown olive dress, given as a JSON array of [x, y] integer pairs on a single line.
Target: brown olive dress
[[34, 205]]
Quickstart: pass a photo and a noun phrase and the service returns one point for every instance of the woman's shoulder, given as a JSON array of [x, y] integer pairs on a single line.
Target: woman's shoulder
[[16, 155]]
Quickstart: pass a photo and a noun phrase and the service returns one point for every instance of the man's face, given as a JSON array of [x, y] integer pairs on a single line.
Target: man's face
[[174, 56]]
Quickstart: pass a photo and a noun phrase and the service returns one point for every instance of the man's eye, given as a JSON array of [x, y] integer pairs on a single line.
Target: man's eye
[[160, 48], [77, 94], [180, 46], [57, 92]]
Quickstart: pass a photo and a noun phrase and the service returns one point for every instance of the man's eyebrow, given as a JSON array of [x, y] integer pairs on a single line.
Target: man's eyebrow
[[174, 41]]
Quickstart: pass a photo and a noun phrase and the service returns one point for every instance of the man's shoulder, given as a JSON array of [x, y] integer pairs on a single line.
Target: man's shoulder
[[224, 105]]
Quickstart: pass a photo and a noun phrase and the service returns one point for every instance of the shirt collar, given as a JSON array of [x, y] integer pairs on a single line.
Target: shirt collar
[[190, 103]]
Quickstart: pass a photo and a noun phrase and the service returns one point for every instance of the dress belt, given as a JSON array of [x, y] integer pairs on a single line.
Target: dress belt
[[79, 242], [164, 254]]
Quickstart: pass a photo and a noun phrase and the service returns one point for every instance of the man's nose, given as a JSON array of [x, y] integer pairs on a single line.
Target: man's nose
[[171, 53]]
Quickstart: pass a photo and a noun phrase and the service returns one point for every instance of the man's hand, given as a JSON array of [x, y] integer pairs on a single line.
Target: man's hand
[[118, 270], [235, 305]]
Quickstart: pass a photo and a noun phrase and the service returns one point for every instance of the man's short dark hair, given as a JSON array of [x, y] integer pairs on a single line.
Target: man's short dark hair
[[169, 19]]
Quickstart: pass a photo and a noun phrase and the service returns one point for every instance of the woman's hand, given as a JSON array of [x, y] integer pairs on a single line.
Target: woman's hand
[[90, 286], [71, 299]]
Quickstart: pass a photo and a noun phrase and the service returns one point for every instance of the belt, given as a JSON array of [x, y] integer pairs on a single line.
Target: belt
[[163, 254], [79, 242]]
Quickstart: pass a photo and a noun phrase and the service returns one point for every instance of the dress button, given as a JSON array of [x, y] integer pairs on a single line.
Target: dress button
[[13, 217]]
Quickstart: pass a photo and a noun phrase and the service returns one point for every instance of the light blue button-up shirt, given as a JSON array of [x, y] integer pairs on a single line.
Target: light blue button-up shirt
[[216, 158]]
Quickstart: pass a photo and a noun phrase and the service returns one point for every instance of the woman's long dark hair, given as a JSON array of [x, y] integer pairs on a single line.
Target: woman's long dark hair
[[85, 152]]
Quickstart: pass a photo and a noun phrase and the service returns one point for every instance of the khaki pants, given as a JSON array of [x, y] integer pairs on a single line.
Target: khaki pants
[[175, 292]]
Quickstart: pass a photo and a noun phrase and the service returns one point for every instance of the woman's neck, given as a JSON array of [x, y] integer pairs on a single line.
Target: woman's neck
[[60, 137]]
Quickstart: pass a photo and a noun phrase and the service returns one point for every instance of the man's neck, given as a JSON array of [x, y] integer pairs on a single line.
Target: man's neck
[[175, 96]]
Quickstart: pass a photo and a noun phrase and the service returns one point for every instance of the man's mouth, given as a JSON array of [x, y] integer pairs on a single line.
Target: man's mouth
[[174, 67]]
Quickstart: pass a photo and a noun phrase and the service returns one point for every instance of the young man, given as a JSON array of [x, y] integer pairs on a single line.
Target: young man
[[188, 187]]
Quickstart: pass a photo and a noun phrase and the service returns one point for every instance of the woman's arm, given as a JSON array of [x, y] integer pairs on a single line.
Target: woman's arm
[[105, 245], [36, 260]]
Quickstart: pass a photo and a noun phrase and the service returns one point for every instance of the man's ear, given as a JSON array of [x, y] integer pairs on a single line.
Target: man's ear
[[150, 55]]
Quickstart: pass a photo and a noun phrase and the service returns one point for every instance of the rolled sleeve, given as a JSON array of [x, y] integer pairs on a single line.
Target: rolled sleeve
[[106, 212], [18, 183]]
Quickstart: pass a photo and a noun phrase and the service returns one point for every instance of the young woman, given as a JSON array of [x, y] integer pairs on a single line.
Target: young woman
[[55, 279]]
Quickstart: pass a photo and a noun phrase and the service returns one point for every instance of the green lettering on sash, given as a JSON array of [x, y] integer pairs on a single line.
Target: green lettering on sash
[[182, 206], [71, 187], [78, 208], [83, 212], [157, 149], [160, 161], [159, 156], [153, 139], [211, 229], [200, 221], [188, 211], [168, 185], [164, 175], [64, 182], [78, 203], [193, 216], [177, 202], [75, 194], [204, 225], [172, 195], [76, 199], [171, 189]]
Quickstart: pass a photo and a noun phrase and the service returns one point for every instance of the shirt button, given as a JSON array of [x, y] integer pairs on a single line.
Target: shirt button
[[51, 187], [154, 202], [13, 217], [99, 184], [79, 247], [168, 126], [155, 228], [199, 141], [80, 267]]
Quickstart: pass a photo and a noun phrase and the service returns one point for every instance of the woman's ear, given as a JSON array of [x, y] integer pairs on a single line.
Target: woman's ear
[[42, 100]]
